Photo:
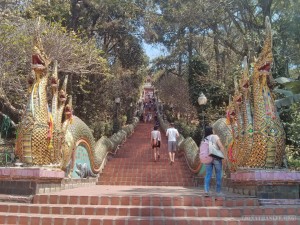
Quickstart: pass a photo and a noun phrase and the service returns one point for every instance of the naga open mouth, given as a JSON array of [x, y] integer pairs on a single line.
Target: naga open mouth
[[246, 85], [239, 100], [38, 62], [266, 67], [68, 110], [62, 96], [54, 82], [232, 113]]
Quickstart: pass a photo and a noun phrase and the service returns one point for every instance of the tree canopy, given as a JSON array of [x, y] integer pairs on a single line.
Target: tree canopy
[[99, 44]]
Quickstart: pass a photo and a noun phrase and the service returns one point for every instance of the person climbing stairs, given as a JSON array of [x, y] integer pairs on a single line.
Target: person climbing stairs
[[134, 164]]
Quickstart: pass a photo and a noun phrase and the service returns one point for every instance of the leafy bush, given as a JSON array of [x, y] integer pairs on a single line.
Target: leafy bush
[[291, 118], [294, 164], [101, 128], [124, 119], [189, 130], [294, 126]]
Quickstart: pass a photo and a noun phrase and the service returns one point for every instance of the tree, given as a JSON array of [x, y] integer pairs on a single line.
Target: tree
[[173, 90], [51, 10], [115, 24], [74, 57]]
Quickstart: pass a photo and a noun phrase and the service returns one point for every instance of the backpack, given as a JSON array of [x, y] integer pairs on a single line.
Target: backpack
[[204, 156]]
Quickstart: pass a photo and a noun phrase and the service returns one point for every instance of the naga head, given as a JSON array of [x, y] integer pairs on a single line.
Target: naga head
[[54, 78], [245, 81], [231, 110], [67, 149], [238, 99], [69, 109], [264, 61], [40, 61], [237, 95], [69, 143], [62, 96], [63, 92]]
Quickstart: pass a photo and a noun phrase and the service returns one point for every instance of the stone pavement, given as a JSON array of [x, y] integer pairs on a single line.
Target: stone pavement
[[118, 190]]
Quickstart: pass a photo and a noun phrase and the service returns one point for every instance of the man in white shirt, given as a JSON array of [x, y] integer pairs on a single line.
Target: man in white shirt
[[172, 134]]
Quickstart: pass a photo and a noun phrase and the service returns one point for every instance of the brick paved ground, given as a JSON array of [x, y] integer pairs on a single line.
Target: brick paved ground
[[134, 164]]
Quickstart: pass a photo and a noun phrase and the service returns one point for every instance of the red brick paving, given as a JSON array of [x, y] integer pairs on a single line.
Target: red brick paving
[[134, 164]]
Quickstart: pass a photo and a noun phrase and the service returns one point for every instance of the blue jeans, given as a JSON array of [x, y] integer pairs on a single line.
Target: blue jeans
[[217, 164]]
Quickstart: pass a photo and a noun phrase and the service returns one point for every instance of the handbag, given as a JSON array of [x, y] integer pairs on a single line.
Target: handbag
[[214, 151]]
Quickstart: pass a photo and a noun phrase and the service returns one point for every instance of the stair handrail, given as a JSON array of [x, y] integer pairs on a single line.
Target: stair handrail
[[113, 149]]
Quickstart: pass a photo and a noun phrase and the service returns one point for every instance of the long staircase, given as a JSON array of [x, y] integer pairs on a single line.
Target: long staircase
[[135, 190], [134, 164]]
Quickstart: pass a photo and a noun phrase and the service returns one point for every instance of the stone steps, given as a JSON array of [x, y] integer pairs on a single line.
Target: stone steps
[[18, 219], [145, 200], [164, 209], [133, 165], [146, 211]]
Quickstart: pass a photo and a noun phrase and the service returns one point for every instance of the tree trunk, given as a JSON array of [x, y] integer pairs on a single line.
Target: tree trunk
[[190, 49], [74, 8], [217, 53], [180, 64], [266, 7], [223, 56], [8, 109]]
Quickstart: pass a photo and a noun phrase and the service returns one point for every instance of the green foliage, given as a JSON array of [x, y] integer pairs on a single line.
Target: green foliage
[[294, 164], [293, 125], [215, 91], [291, 118], [123, 120], [7, 130], [293, 86], [53, 11], [169, 114], [286, 37], [198, 69], [75, 57], [101, 128], [184, 128], [288, 92], [115, 24], [197, 135]]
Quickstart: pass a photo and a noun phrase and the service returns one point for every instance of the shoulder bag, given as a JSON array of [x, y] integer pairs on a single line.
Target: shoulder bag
[[214, 150]]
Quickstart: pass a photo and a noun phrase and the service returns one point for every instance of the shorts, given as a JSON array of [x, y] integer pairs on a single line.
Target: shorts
[[172, 146]]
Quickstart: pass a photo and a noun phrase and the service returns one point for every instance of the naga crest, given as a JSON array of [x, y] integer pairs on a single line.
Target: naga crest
[[258, 137]]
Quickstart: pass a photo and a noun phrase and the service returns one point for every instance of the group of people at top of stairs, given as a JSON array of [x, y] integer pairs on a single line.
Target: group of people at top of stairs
[[216, 162], [149, 111]]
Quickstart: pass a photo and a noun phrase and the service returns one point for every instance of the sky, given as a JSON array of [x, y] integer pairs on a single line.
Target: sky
[[153, 51]]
